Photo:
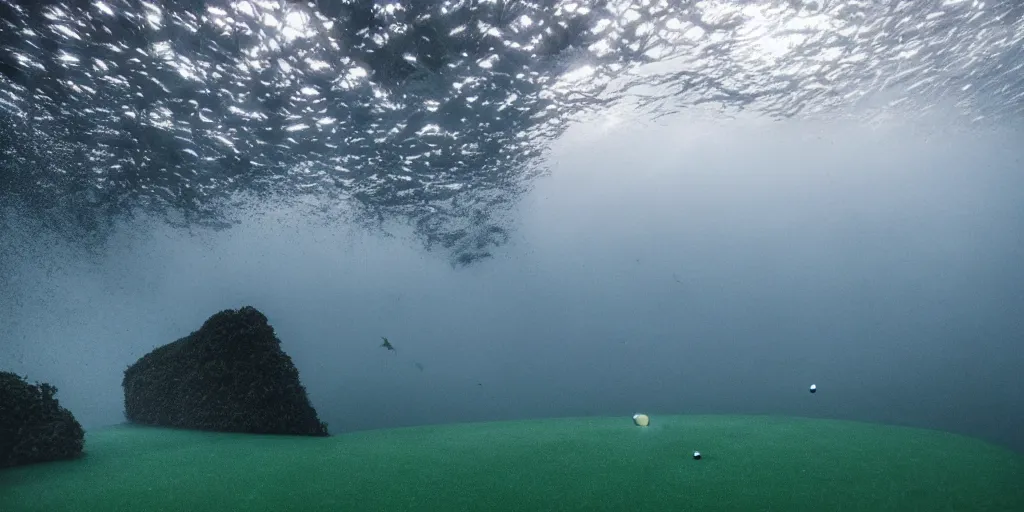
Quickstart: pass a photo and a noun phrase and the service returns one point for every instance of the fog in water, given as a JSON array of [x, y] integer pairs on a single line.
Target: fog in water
[[548, 208], [689, 265]]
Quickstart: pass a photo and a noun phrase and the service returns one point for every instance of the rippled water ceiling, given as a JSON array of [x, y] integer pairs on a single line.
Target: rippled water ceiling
[[436, 113]]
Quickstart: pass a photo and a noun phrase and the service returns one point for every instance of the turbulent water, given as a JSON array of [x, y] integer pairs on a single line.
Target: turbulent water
[[432, 113]]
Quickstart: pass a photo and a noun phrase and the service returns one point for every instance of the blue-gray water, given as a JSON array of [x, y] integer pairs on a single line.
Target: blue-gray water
[[549, 208]]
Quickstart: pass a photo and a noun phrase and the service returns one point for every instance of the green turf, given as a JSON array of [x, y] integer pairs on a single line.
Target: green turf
[[751, 463]]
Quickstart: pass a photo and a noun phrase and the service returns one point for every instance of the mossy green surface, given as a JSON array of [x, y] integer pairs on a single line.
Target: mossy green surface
[[750, 463]]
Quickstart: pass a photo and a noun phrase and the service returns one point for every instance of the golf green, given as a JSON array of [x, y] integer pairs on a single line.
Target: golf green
[[749, 463]]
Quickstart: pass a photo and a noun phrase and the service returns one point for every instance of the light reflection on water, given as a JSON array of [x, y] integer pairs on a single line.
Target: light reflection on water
[[436, 113]]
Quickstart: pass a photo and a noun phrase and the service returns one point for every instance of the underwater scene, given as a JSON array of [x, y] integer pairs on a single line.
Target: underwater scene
[[511, 255]]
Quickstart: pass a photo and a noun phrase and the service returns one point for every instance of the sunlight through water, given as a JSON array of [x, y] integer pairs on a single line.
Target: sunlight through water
[[437, 114]]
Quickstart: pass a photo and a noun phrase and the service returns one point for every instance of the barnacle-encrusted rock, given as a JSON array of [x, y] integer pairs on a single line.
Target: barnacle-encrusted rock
[[230, 376], [33, 425]]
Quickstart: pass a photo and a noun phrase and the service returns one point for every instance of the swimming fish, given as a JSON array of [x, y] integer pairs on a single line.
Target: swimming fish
[[387, 345]]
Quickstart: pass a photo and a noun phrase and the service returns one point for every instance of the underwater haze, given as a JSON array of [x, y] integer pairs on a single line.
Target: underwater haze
[[548, 208]]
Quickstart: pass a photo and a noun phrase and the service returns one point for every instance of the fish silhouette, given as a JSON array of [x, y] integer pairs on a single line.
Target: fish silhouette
[[387, 345]]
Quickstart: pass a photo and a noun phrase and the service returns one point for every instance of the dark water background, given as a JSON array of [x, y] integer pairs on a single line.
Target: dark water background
[[550, 208]]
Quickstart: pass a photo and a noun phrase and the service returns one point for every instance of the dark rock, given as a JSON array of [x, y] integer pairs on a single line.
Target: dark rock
[[229, 376], [33, 425]]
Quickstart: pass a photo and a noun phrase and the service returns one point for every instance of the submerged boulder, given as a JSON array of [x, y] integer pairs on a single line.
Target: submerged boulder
[[229, 376], [33, 425]]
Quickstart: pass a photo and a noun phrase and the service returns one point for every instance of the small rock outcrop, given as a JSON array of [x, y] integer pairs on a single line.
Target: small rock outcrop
[[33, 425], [229, 376]]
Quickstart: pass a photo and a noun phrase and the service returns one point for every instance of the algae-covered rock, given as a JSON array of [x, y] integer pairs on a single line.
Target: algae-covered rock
[[33, 425], [230, 376]]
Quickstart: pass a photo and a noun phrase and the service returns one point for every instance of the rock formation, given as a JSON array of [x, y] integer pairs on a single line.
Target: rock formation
[[230, 376], [33, 425]]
